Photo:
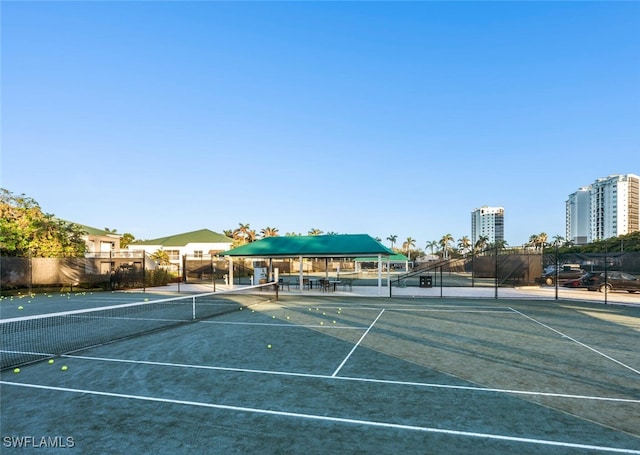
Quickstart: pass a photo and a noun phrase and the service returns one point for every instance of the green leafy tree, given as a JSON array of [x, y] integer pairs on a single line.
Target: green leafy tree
[[393, 239], [26, 230], [315, 231]]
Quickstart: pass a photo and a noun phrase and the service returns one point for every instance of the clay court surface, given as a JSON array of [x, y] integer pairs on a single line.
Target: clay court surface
[[334, 373]]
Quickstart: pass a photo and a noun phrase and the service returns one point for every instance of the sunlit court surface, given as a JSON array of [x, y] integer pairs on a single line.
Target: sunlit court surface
[[315, 374]]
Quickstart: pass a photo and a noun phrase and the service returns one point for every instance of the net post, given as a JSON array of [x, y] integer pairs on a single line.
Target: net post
[[193, 308]]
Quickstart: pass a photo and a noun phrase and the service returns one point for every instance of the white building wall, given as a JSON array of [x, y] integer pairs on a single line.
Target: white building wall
[[487, 222], [577, 217], [612, 208]]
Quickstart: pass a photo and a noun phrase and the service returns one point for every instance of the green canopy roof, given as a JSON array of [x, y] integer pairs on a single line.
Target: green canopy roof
[[393, 258], [340, 245]]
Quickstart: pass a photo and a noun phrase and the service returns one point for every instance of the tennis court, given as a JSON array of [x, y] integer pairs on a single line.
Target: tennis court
[[328, 374]]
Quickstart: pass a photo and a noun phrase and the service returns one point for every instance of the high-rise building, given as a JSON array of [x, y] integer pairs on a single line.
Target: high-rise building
[[487, 222], [577, 216], [613, 207]]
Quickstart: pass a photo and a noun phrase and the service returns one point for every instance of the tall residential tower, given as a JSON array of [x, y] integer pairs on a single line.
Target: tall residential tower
[[607, 208], [487, 222]]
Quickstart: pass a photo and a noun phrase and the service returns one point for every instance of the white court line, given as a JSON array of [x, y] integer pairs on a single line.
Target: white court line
[[578, 342], [331, 419], [358, 343], [290, 325], [353, 379]]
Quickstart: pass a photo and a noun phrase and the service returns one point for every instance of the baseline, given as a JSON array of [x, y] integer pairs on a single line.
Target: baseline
[[371, 423]]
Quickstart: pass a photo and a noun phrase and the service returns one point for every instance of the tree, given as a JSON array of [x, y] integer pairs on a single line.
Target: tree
[[444, 243], [241, 235], [269, 232], [407, 245], [464, 244], [432, 245], [126, 239], [314, 231], [26, 230], [392, 238], [161, 257], [481, 244], [538, 241]]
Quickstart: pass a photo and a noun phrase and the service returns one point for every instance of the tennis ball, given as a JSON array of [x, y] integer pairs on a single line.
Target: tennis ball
[[268, 346], [50, 361], [146, 300], [16, 370], [21, 307], [63, 368], [273, 317]]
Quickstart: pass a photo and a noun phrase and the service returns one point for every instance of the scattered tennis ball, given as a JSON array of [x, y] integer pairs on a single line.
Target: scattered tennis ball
[[322, 323], [50, 361], [268, 346], [334, 322], [273, 317], [288, 318], [16, 370], [21, 307], [146, 300], [63, 368]]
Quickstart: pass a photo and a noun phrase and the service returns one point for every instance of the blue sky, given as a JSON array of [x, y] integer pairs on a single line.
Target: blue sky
[[384, 118]]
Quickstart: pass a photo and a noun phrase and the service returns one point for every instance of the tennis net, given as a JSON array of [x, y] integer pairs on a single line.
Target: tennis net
[[33, 338]]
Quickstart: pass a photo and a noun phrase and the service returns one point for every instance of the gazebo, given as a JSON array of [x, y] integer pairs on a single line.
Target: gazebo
[[312, 246]]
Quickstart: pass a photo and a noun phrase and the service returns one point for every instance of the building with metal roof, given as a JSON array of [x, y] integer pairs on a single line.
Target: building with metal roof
[[312, 246]]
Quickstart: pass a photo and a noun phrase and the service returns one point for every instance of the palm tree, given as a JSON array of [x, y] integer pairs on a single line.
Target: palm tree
[[126, 239], [464, 244], [269, 232], [314, 231], [500, 244], [481, 243], [161, 257], [541, 240], [241, 233], [432, 245], [407, 245], [392, 238], [444, 243]]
